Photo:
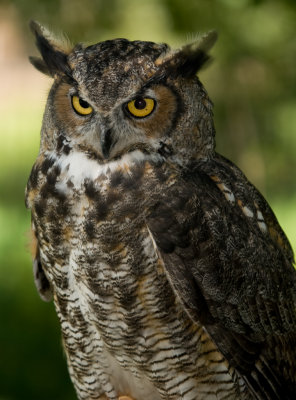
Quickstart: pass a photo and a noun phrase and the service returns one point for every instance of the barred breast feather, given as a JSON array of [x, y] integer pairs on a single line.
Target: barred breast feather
[[124, 329]]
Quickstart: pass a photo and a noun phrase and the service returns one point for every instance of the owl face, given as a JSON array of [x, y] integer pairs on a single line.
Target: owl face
[[119, 96]]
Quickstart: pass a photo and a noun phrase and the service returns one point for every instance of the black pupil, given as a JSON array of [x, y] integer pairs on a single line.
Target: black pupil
[[84, 104], [140, 103]]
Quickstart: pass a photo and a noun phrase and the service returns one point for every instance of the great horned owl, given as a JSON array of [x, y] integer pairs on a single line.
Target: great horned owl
[[170, 274]]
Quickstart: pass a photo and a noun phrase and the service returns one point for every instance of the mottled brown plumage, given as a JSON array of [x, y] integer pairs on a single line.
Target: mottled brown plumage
[[170, 274]]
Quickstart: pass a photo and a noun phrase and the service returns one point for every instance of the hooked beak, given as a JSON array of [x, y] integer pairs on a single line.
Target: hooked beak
[[106, 143]]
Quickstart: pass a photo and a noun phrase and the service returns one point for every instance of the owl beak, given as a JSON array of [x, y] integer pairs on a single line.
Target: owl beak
[[106, 143]]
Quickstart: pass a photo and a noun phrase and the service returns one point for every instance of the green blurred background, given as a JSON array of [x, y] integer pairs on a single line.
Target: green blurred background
[[252, 83]]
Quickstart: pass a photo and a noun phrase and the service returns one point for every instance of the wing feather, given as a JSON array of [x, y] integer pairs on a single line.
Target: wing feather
[[231, 265], [41, 282]]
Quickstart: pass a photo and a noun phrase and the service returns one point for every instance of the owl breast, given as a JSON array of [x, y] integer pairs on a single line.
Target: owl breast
[[124, 330]]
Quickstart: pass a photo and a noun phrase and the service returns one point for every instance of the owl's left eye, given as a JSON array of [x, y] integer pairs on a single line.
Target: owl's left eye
[[81, 106], [141, 107]]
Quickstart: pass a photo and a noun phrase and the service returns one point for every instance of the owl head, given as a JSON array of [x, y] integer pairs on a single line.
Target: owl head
[[118, 96]]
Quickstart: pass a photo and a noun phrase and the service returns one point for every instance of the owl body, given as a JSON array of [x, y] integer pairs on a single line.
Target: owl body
[[169, 272], [112, 294]]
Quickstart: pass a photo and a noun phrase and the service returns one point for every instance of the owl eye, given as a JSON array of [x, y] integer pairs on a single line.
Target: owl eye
[[141, 107], [81, 106]]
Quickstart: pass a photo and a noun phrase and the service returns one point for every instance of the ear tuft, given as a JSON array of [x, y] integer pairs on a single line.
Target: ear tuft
[[39, 64], [192, 57], [54, 53]]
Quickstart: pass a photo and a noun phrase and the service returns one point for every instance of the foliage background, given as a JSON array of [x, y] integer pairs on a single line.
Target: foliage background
[[252, 83]]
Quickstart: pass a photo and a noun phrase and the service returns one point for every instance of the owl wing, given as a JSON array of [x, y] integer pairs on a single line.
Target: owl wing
[[232, 267], [41, 282]]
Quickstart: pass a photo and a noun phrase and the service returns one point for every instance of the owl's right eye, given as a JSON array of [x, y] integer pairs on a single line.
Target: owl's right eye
[[81, 106]]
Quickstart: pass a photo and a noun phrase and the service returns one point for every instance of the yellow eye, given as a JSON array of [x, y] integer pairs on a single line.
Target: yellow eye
[[81, 106], [141, 107]]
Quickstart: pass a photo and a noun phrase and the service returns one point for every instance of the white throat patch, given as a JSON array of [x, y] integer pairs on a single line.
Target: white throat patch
[[77, 167]]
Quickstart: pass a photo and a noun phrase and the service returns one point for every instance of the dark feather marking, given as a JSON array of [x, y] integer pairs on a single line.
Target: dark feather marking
[[46, 164], [101, 209], [70, 184], [33, 179], [52, 176], [116, 179], [63, 207], [89, 228], [62, 145], [40, 207], [130, 182], [49, 187], [90, 190], [164, 150]]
